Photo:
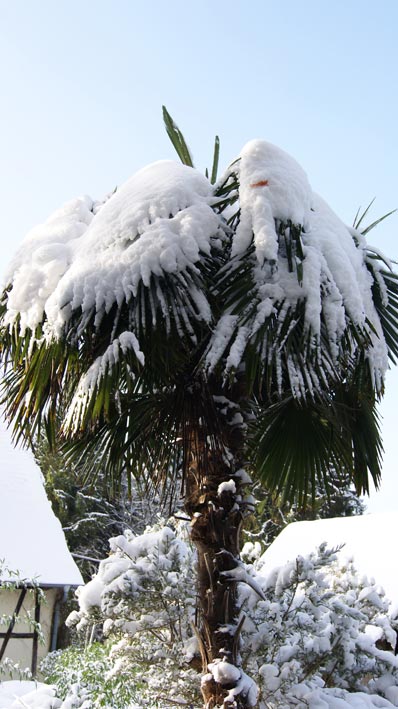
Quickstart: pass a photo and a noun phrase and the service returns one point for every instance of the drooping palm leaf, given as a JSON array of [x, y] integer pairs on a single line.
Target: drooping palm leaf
[[385, 283], [296, 444]]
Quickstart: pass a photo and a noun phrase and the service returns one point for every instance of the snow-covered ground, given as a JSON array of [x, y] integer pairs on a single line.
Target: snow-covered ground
[[35, 695], [17, 694]]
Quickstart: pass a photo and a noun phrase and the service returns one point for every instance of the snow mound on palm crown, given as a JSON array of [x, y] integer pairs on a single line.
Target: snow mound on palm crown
[[161, 223], [272, 185], [304, 253], [158, 222]]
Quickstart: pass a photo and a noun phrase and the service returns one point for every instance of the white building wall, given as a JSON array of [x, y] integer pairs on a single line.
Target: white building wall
[[19, 650]]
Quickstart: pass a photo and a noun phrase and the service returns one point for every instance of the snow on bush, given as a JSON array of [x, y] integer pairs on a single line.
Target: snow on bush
[[320, 625], [144, 599], [316, 638], [20, 694], [145, 585]]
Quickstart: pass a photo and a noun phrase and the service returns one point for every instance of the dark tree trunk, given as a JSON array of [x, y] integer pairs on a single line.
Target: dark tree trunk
[[214, 500]]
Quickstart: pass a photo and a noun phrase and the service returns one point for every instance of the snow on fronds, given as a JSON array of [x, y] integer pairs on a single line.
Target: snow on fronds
[[238, 347], [272, 186], [301, 267], [101, 366], [157, 223], [348, 276], [45, 255], [303, 254], [222, 335]]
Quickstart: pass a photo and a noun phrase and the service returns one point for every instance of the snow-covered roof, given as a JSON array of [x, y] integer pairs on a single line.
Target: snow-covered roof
[[31, 538], [370, 540]]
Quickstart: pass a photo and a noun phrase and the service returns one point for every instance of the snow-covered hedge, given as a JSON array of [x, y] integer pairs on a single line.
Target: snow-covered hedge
[[312, 636]]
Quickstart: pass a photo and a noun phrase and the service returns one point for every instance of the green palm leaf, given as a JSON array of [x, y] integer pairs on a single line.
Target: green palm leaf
[[177, 138], [296, 444]]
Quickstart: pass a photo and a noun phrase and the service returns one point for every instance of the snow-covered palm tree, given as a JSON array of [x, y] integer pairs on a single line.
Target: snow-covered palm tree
[[196, 330]]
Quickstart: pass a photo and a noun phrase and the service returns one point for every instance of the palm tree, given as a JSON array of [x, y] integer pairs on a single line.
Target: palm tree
[[193, 330]]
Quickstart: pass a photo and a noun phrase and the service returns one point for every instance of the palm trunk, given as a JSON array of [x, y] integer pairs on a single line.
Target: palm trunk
[[214, 500]]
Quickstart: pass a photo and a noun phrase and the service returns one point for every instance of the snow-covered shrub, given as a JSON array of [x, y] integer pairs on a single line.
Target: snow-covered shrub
[[319, 624], [145, 586], [109, 675], [312, 632], [82, 679], [143, 596]]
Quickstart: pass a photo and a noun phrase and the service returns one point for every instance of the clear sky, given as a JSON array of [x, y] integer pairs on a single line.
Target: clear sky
[[82, 84]]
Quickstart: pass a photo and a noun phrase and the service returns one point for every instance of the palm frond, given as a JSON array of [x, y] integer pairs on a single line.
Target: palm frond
[[297, 443], [216, 157], [36, 377], [385, 287], [358, 219], [177, 139], [149, 435], [385, 296]]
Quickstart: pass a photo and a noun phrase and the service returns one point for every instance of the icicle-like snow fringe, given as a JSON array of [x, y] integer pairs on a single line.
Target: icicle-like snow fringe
[[160, 224], [330, 277], [100, 368]]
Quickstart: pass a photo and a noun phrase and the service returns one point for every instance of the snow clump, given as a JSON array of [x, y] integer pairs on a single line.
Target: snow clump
[[315, 633]]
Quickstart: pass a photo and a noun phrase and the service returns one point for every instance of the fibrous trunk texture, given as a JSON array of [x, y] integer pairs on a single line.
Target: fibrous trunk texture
[[215, 502]]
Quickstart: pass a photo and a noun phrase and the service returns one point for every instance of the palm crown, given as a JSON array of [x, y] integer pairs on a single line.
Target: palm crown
[[124, 309]]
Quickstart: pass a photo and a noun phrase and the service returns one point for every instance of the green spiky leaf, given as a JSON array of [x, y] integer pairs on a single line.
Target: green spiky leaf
[[177, 139]]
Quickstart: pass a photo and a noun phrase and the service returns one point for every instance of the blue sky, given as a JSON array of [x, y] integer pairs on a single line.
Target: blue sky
[[82, 85]]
